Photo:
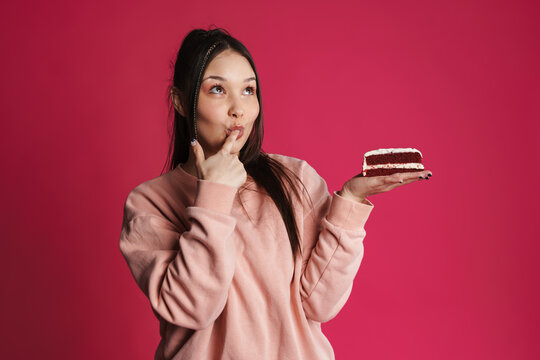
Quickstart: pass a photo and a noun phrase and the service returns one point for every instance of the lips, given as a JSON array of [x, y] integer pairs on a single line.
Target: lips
[[241, 128]]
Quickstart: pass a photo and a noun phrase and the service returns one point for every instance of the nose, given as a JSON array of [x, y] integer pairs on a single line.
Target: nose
[[236, 110]]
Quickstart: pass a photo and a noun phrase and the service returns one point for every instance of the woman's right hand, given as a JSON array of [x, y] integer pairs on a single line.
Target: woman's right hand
[[222, 167]]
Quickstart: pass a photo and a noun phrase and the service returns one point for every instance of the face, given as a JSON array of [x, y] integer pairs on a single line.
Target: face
[[227, 98]]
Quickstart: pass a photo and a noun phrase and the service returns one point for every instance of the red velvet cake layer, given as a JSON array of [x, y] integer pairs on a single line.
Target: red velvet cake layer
[[393, 158], [384, 172]]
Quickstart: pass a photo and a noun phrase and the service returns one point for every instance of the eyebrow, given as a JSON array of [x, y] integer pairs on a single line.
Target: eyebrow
[[223, 79]]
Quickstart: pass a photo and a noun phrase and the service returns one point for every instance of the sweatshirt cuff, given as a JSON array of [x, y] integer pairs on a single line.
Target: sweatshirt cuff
[[215, 196], [347, 213]]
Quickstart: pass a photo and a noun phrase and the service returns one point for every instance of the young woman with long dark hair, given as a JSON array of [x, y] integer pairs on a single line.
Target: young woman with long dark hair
[[242, 254]]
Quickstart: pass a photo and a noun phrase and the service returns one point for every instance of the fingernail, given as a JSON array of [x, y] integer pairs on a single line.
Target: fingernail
[[192, 142], [421, 177], [429, 174], [401, 181]]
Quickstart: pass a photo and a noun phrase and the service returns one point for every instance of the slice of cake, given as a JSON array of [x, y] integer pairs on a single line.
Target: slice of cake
[[389, 161]]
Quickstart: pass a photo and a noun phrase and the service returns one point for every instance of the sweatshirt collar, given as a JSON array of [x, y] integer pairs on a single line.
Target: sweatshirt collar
[[179, 171]]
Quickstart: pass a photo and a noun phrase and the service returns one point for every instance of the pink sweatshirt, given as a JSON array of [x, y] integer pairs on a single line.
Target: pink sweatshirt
[[223, 285]]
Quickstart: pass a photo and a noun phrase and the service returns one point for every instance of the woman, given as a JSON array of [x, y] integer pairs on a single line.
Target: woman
[[242, 254]]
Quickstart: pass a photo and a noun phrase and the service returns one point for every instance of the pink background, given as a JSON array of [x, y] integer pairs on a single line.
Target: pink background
[[449, 270]]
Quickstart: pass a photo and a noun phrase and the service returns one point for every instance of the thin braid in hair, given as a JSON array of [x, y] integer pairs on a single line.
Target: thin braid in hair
[[198, 86]]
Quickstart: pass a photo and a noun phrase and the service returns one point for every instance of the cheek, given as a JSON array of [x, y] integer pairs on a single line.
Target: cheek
[[254, 110], [208, 110]]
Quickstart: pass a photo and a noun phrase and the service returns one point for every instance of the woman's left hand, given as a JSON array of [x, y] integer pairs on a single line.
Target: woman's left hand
[[359, 187]]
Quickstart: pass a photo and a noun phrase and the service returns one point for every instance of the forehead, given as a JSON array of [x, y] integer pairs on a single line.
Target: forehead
[[230, 64]]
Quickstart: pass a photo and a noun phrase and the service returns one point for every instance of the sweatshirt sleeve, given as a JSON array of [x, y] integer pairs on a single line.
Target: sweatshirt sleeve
[[332, 245], [185, 274]]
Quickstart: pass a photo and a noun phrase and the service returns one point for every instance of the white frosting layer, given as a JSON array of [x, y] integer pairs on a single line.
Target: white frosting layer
[[391, 150], [395, 166], [416, 166]]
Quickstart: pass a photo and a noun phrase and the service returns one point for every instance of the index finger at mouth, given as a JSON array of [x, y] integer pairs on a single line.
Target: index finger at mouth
[[229, 141]]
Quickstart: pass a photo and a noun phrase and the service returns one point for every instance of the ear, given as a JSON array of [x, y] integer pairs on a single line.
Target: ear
[[176, 97]]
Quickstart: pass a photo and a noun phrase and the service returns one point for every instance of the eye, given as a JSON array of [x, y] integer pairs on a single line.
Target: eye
[[251, 89], [217, 86]]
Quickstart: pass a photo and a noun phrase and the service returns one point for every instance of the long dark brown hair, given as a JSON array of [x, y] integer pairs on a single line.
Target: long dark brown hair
[[198, 49]]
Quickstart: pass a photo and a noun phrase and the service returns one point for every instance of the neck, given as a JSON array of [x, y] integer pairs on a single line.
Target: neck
[[189, 166]]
